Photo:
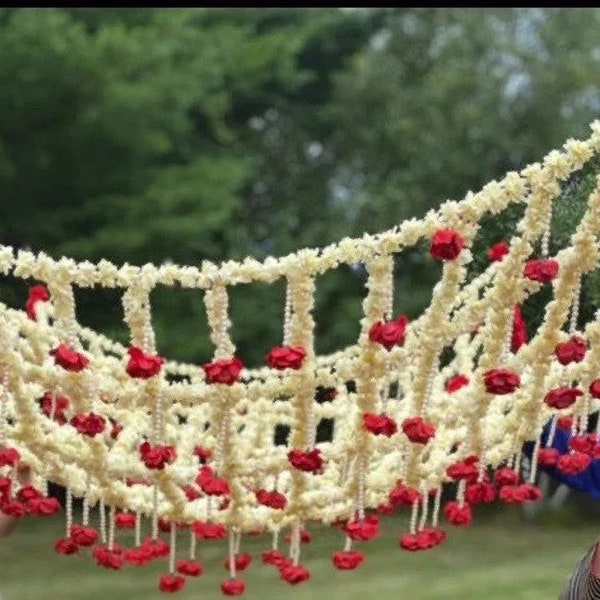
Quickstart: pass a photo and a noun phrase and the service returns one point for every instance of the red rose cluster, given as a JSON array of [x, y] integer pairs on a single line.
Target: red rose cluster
[[141, 365], [157, 456], [389, 333], [309, 461]]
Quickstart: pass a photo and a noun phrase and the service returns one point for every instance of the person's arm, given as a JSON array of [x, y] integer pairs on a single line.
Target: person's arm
[[584, 583]]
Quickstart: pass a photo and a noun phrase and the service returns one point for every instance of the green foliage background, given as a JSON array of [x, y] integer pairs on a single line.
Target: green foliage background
[[196, 134]]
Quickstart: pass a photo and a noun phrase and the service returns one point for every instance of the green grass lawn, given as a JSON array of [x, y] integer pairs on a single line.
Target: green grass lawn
[[500, 558]]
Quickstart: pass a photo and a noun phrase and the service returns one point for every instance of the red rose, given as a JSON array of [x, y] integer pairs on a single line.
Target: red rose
[[574, 463], [347, 560], [501, 381], [379, 424], [156, 457], [215, 486], [498, 251], [572, 351], [310, 461], [430, 537], [69, 359], [233, 587], [512, 494], [480, 493], [107, 558], [410, 542], [138, 556], [519, 332], [584, 443], [547, 457], [60, 404], [458, 515], [84, 536], [171, 583], [273, 499], [66, 546], [209, 531], [455, 383], [465, 469], [241, 562], [274, 558], [27, 493], [226, 370], [43, 506], [506, 477], [9, 457], [294, 574], [562, 397], [365, 530], [124, 520], [595, 388], [417, 430], [37, 293], [446, 244], [541, 269], [141, 365], [565, 422], [389, 333], [89, 424], [159, 548], [286, 357], [192, 568], [403, 496]]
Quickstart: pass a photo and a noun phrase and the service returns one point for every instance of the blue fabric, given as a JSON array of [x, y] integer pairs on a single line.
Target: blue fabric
[[587, 482]]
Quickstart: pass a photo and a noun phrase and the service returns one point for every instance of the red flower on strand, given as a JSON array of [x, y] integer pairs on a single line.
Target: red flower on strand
[[108, 558], [171, 583], [309, 461], [124, 520], [66, 546], [191, 493], [138, 556], [159, 548], [584, 443], [9, 457], [83, 536], [403, 496], [69, 359], [27, 493], [142, 365], [547, 457], [480, 493], [233, 587], [519, 332], [565, 422], [363, 531], [465, 469], [512, 494], [156, 457], [455, 383], [542, 270], [43, 506], [192, 568], [58, 406], [531, 492], [389, 333], [562, 397], [574, 463], [273, 499], [294, 574], [417, 430], [209, 531], [595, 388], [572, 351], [12, 508], [347, 560], [379, 424], [241, 562], [446, 244], [386, 508], [458, 515], [37, 293], [274, 558], [506, 476], [498, 251], [226, 370], [89, 424], [411, 542], [213, 486], [501, 381], [5, 486], [430, 537], [286, 357]]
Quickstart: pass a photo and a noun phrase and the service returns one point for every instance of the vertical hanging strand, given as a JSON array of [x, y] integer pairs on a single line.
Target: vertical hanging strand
[[68, 511], [138, 529], [435, 513], [425, 509], [172, 549], [102, 521], [111, 527]]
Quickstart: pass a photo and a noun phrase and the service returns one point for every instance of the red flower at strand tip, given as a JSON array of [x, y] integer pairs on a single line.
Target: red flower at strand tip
[[233, 587], [458, 515], [209, 531], [547, 457], [562, 397], [9, 457], [192, 568], [43, 506], [273, 499], [69, 359], [89, 424], [274, 558], [124, 520], [171, 583], [480, 493], [446, 244], [512, 494], [203, 454], [309, 461], [226, 370], [159, 548], [83, 536], [506, 476], [574, 463], [572, 351], [466, 469], [379, 424], [294, 574], [210, 484], [531, 492], [138, 556], [411, 542], [417, 430], [430, 537], [455, 383], [286, 357], [595, 388], [12, 508], [241, 562], [498, 251], [403, 496], [56, 406], [363, 531], [107, 558], [585, 443], [66, 546], [157, 456], [519, 332], [541, 269], [142, 365], [5, 486], [389, 333], [347, 560], [37, 293], [565, 422], [191, 493], [501, 381]]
